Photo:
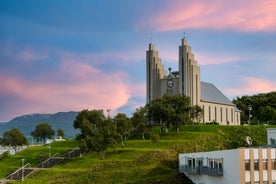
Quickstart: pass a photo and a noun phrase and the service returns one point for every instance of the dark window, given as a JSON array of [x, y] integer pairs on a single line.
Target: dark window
[[264, 164], [247, 165], [256, 165], [273, 164]]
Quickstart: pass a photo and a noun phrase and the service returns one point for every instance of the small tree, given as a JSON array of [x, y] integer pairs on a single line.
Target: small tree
[[123, 126], [14, 138], [42, 132], [98, 133], [139, 121], [60, 133]]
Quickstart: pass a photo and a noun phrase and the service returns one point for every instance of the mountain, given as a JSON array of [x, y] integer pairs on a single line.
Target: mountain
[[27, 123]]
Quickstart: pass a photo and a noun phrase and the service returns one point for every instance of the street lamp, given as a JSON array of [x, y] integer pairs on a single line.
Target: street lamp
[[49, 149], [108, 111], [249, 109], [23, 169]]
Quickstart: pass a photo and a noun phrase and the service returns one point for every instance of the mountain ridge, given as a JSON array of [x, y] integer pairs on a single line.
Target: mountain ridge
[[26, 123]]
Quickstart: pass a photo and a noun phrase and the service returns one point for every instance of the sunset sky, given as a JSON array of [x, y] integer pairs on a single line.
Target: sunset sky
[[90, 54]]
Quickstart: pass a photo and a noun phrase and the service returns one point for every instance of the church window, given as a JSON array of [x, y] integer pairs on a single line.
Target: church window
[[203, 113], [221, 114], [232, 115], [196, 90], [215, 113], [209, 113], [227, 116]]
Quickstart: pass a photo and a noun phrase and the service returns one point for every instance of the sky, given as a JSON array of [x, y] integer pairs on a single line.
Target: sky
[[70, 55]]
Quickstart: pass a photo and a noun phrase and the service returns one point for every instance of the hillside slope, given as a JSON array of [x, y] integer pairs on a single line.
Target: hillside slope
[[26, 123], [142, 161]]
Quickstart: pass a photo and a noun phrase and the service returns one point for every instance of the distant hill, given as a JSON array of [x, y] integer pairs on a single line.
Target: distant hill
[[26, 123]]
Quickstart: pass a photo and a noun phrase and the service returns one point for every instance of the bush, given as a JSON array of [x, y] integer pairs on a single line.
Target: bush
[[155, 138], [4, 155]]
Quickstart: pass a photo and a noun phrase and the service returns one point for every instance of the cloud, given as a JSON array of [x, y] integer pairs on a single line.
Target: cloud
[[15, 52], [88, 88], [220, 58], [251, 85], [246, 15]]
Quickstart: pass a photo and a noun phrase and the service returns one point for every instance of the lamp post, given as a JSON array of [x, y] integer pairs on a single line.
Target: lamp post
[[108, 111], [249, 109], [23, 169], [49, 149]]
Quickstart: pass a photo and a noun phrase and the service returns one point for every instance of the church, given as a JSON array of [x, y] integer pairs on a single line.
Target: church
[[186, 81]]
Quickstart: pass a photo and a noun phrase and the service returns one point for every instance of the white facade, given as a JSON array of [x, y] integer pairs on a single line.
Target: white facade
[[236, 166]]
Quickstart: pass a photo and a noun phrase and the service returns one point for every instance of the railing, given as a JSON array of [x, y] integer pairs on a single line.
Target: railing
[[73, 153], [204, 170], [20, 173], [47, 162]]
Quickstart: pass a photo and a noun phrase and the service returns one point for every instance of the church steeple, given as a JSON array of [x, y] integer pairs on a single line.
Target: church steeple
[[189, 73], [155, 72]]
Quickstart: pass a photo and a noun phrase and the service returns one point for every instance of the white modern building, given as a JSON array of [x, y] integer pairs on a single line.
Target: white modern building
[[186, 81], [236, 166]]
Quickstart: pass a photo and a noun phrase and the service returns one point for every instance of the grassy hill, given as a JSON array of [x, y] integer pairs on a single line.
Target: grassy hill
[[142, 161]]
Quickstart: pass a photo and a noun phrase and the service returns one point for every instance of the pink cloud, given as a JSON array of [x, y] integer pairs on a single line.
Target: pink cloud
[[251, 86], [91, 90], [246, 15], [204, 59]]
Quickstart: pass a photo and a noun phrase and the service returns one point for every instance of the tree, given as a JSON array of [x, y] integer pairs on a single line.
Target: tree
[[42, 132], [98, 133], [197, 113], [263, 107], [60, 133], [139, 121], [14, 138], [170, 110], [123, 126]]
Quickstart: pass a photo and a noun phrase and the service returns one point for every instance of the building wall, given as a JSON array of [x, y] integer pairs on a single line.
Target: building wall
[[262, 165], [231, 171], [224, 114], [240, 166]]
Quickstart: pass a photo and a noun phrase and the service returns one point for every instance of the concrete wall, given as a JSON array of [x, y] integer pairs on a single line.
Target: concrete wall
[[231, 173], [222, 113]]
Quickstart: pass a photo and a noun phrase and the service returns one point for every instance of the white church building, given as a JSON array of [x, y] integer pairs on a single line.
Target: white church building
[[186, 81]]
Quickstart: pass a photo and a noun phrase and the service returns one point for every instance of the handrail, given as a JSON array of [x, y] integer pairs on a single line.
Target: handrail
[[19, 169], [42, 164]]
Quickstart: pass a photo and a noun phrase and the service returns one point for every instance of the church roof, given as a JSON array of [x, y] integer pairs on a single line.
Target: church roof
[[210, 93]]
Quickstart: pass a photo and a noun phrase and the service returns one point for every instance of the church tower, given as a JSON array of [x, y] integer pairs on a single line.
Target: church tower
[[155, 72], [189, 73]]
